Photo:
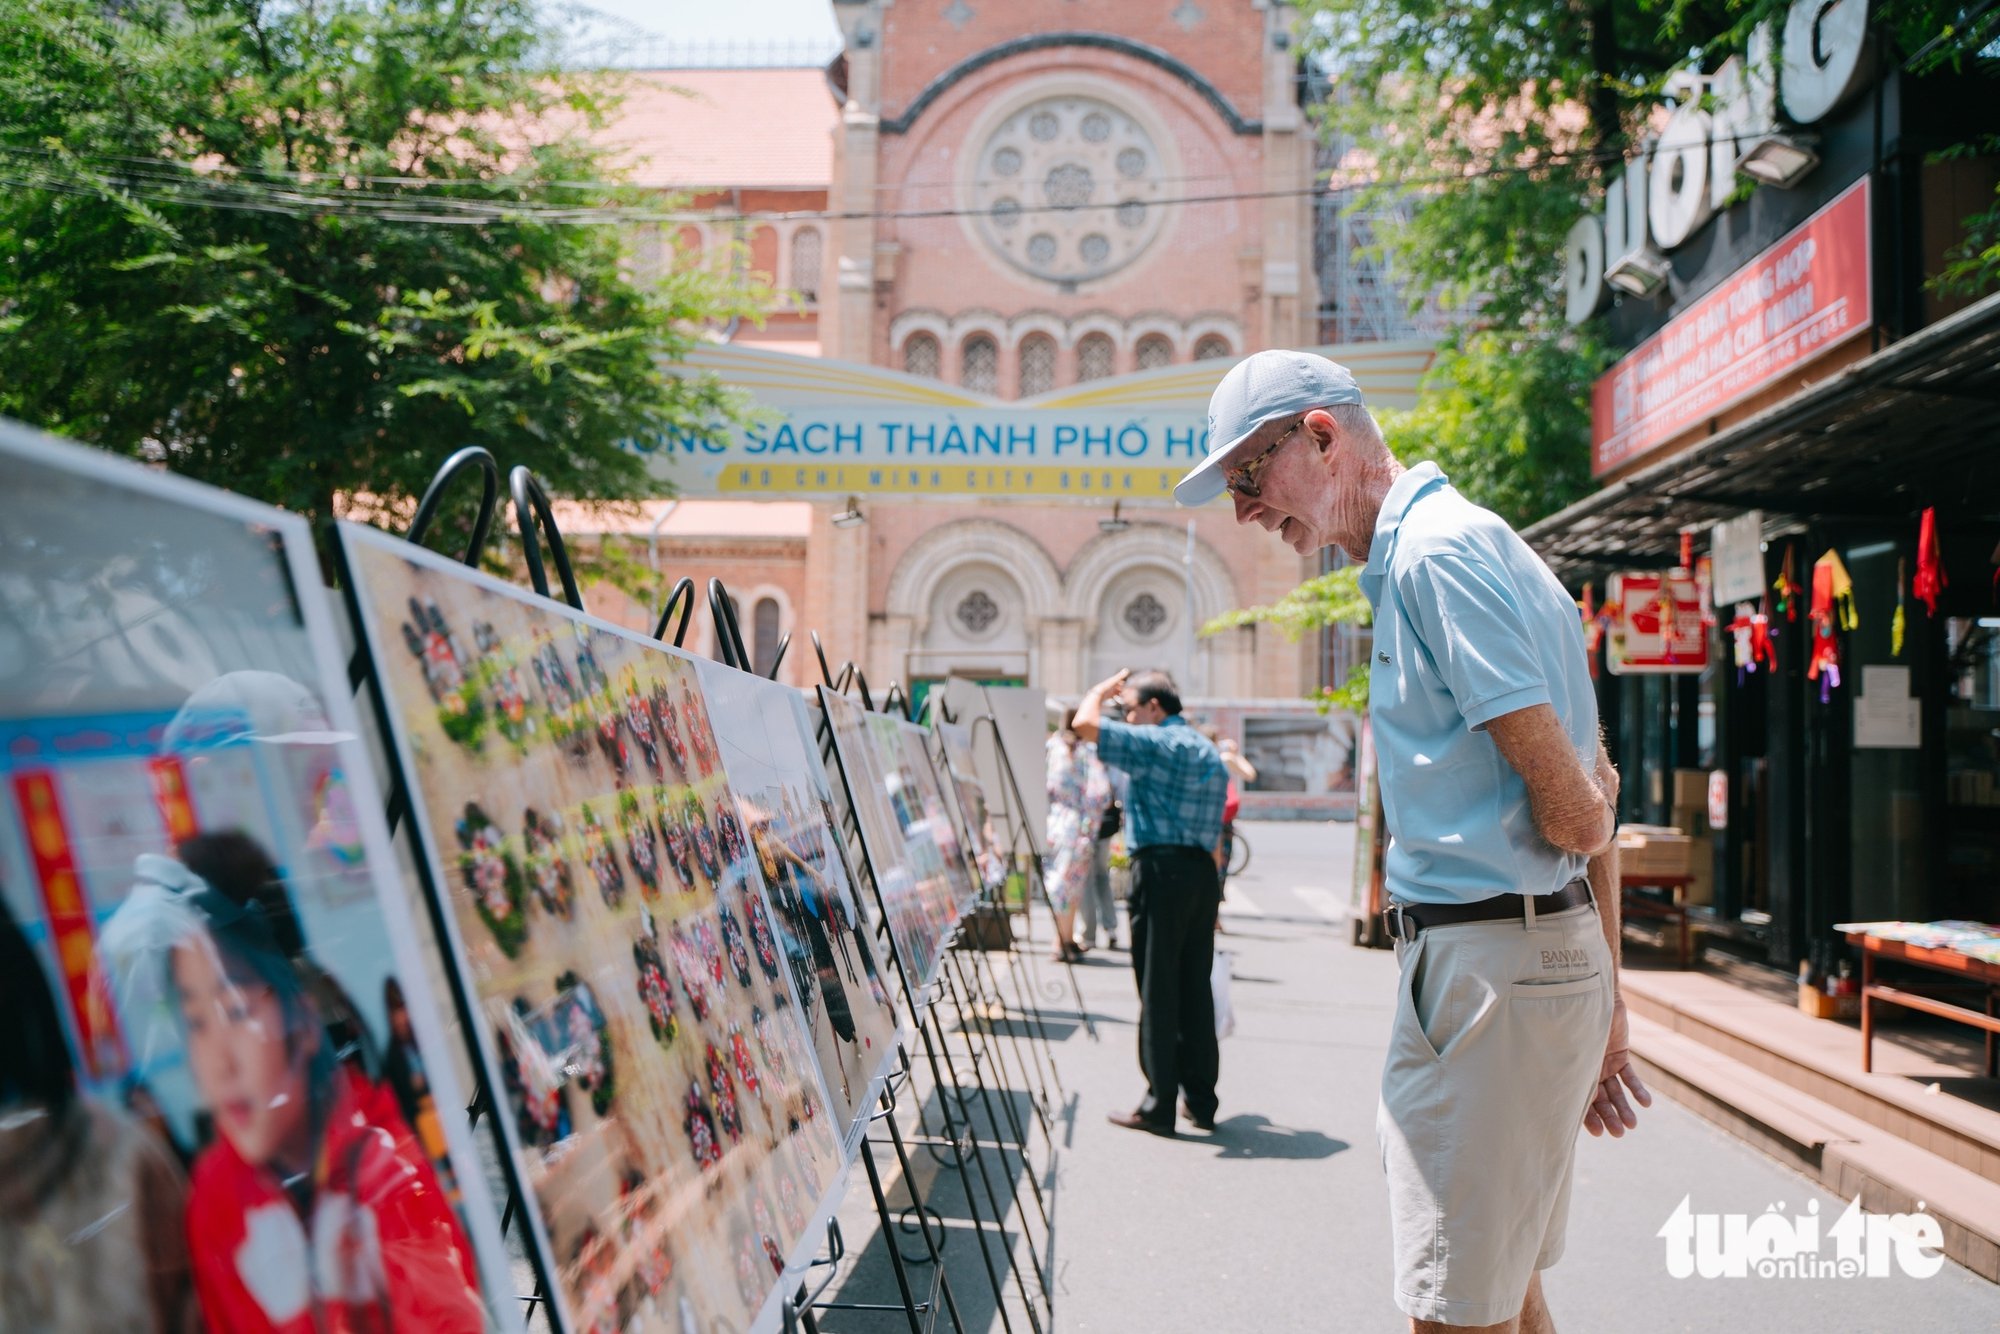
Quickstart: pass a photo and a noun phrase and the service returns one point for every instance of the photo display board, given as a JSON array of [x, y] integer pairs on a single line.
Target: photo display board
[[982, 836], [1020, 715], [204, 926], [932, 815], [826, 932], [910, 870], [634, 1011]]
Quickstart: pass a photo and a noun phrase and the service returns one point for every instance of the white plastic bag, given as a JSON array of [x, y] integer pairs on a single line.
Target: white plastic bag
[[1218, 982]]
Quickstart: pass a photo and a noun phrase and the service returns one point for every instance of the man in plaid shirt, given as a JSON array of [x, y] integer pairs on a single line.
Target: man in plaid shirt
[[1178, 786]]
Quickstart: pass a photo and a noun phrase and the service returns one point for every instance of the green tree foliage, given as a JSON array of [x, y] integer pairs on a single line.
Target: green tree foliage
[[1333, 598], [1507, 416], [1497, 125], [305, 250]]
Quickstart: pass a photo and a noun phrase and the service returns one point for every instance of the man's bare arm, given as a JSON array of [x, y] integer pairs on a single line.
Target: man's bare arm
[[1570, 806], [1090, 709], [1603, 868]]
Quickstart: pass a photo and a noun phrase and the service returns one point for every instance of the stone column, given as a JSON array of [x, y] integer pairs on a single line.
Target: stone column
[[1290, 294], [890, 639], [836, 592], [846, 328], [1058, 648]]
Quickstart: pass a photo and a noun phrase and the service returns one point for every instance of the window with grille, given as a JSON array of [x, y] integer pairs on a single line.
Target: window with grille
[[764, 636], [650, 250], [805, 264], [1211, 347], [1154, 352], [1095, 357], [920, 355], [979, 364], [1038, 364], [764, 254]]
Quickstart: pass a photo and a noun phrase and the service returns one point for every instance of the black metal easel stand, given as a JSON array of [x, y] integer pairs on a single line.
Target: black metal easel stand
[[1034, 888], [958, 1136]]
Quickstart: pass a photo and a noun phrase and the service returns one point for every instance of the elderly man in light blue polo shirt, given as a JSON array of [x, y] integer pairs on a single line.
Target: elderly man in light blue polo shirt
[[1502, 872]]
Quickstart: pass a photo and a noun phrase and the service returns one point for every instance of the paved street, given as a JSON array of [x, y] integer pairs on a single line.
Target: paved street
[[1278, 1222]]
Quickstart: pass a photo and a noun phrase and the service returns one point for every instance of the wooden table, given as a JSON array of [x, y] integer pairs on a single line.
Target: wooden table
[[1675, 914], [1949, 961]]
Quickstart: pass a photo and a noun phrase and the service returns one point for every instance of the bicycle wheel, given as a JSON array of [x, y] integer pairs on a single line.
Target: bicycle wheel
[[1239, 854]]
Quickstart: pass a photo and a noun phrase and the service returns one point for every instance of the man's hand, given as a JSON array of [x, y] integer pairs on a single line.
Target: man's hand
[[1609, 1111], [1091, 707], [1111, 685]]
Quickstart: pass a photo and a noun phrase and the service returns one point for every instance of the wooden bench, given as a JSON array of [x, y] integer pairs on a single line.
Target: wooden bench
[[1673, 913], [1963, 967]]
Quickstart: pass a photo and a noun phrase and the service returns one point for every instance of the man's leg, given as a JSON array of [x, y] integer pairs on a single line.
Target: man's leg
[[1139, 907], [1160, 998], [1098, 909], [1200, 1055], [1534, 1318]]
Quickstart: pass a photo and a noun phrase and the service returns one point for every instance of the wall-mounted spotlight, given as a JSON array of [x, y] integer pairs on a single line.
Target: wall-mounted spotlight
[[1116, 523], [851, 516], [1641, 273], [1777, 158]]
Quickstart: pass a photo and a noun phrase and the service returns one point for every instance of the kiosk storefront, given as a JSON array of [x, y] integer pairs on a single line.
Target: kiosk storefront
[[1795, 376]]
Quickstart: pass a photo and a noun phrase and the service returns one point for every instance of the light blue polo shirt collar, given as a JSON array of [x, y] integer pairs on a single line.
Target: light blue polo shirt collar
[[1403, 493]]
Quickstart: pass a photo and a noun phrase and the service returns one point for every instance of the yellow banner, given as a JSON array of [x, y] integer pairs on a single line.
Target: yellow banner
[[954, 479]]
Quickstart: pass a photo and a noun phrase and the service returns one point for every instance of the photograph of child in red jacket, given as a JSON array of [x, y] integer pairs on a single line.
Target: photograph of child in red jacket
[[313, 1209]]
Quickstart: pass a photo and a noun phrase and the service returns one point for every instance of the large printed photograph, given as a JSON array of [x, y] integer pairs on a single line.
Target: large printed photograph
[[975, 818], [226, 1102], [828, 934], [630, 976], [902, 847], [926, 815]]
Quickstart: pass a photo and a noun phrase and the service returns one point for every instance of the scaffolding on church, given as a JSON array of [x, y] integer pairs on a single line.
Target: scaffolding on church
[[1362, 297]]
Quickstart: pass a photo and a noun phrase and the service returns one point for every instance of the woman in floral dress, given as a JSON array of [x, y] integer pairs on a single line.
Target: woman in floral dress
[[1079, 791]]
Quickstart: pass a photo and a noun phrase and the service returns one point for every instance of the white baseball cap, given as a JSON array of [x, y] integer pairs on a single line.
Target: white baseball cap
[[1260, 389]]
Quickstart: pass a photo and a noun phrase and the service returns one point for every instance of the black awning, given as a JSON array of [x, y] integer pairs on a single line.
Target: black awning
[[1914, 425]]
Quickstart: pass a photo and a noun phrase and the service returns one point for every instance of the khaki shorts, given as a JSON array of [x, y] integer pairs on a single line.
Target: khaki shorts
[[1497, 1042]]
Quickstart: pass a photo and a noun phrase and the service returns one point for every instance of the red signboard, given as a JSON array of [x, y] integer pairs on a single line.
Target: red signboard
[[1797, 300], [1656, 624], [71, 932]]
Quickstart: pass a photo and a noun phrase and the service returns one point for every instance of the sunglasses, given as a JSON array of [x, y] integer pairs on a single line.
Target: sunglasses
[[1241, 480]]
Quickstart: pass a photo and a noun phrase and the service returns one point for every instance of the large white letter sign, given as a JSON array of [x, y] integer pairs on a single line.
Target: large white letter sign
[[1584, 291], [1825, 48], [1677, 195]]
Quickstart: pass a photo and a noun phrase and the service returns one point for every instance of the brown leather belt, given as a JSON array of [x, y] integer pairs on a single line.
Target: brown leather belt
[[1404, 920]]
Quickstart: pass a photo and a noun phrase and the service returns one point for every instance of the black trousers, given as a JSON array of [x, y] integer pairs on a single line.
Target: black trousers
[[1175, 894]]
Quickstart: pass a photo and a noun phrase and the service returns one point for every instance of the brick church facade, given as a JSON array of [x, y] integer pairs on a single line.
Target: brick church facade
[[1016, 198]]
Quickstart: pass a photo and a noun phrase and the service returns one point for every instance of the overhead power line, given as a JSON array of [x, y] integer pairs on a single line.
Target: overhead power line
[[424, 200]]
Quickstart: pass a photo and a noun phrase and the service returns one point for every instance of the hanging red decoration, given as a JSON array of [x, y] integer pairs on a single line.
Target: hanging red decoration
[[1760, 640], [1930, 581], [1832, 610], [1687, 548], [1751, 631], [1786, 589]]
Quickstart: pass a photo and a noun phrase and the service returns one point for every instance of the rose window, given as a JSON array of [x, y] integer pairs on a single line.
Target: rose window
[[1145, 615], [978, 611], [1069, 185], [1065, 189]]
